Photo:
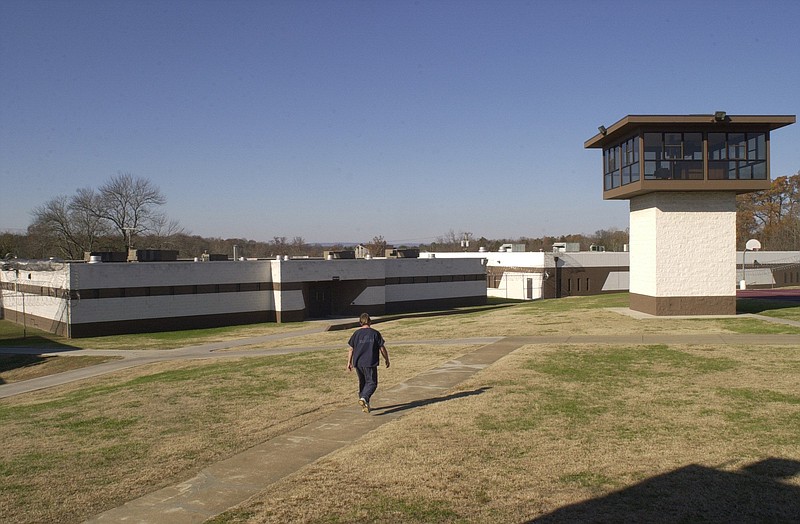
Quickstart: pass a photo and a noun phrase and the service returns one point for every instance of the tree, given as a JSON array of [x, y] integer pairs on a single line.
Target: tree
[[451, 241], [131, 205], [611, 239], [90, 228], [13, 245], [773, 215], [377, 248], [61, 223], [299, 247], [123, 207]]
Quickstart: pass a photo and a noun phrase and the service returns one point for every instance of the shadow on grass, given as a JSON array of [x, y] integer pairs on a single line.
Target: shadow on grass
[[428, 314], [20, 352], [695, 493], [759, 305], [12, 362], [32, 345], [395, 408]]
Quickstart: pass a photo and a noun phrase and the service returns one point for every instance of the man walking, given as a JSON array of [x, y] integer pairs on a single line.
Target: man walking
[[366, 347]]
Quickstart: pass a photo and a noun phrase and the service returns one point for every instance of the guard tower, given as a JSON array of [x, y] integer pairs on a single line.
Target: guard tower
[[681, 174]]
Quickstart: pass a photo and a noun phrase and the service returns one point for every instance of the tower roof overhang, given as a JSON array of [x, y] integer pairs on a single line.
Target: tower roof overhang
[[718, 121]]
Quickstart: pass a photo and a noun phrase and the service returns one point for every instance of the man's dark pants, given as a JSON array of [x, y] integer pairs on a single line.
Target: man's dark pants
[[367, 382]]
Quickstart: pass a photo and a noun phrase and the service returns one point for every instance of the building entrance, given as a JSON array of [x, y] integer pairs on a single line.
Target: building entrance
[[320, 299]]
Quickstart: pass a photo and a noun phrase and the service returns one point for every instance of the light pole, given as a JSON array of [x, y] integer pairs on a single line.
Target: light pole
[[751, 245], [22, 293]]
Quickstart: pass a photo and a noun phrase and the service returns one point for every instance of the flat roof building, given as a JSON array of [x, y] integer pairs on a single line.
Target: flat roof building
[[77, 299]]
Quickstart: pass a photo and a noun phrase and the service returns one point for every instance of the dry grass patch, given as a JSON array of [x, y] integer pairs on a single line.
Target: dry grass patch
[[566, 316], [599, 428], [73, 451], [11, 335]]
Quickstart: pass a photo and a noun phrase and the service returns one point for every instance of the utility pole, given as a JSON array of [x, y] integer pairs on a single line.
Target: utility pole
[[128, 237]]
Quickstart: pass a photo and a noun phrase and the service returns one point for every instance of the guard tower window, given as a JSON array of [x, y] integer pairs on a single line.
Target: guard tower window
[[630, 160], [621, 163], [675, 156], [611, 167], [737, 156]]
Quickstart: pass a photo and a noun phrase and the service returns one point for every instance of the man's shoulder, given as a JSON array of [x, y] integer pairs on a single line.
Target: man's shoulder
[[366, 332]]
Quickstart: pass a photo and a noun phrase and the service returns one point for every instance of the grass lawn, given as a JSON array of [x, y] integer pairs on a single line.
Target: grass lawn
[[11, 335], [610, 432], [601, 434]]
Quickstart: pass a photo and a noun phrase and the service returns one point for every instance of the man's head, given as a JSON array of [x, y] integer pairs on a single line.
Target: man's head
[[364, 319]]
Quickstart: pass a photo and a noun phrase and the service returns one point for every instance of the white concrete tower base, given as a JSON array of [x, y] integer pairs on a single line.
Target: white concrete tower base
[[683, 253]]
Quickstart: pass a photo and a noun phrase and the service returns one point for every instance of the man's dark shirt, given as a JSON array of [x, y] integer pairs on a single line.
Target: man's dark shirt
[[366, 344]]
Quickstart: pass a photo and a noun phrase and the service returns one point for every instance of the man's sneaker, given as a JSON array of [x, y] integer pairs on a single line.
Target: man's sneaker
[[364, 405]]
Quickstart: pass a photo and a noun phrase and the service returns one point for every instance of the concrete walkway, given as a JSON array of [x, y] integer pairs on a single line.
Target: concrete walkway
[[232, 481], [128, 358], [226, 484]]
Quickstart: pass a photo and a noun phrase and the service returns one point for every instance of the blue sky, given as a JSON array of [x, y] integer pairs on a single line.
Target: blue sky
[[344, 120]]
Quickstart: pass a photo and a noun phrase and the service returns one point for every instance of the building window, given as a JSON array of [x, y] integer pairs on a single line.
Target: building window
[[630, 160], [621, 164], [673, 156], [737, 156], [611, 167]]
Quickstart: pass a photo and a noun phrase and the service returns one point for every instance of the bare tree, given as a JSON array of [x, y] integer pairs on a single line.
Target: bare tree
[[89, 226], [298, 246], [131, 205], [124, 207], [165, 232], [377, 247], [53, 224], [451, 241]]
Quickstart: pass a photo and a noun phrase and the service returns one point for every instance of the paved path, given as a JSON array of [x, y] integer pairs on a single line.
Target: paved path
[[129, 358], [226, 484], [230, 482]]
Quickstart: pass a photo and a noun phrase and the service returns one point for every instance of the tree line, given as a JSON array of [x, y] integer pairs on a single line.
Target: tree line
[[127, 212], [772, 217]]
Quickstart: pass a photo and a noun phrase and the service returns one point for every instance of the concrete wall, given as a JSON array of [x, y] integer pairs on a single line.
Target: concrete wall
[[683, 253], [86, 277], [593, 272], [347, 285], [578, 273], [435, 281], [156, 296], [519, 285], [36, 298]]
